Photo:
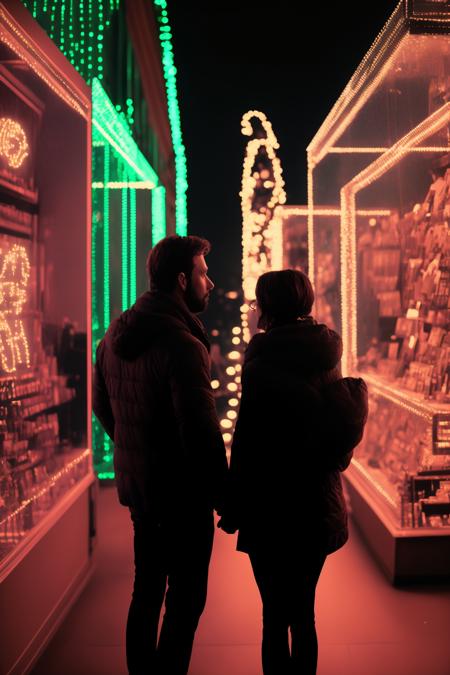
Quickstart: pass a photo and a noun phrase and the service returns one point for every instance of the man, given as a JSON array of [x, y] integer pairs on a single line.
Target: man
[[153, 396]]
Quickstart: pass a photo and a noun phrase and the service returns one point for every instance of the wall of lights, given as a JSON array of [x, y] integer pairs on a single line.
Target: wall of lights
[[78, 29], [87, 34], [262, 190], [123, 207]]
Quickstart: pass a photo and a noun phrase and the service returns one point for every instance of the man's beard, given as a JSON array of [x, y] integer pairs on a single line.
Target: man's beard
[[194, 303]]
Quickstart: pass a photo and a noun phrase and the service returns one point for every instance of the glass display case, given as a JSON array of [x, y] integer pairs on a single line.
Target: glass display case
[[45, 439], [382, 157], [401, 78]]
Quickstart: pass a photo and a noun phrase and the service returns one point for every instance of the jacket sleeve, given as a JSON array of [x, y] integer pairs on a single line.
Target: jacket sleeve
[[346, 416], [196, 416], [100, 398]]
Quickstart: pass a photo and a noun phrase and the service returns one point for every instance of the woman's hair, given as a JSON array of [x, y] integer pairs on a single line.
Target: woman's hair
[[283, 297]]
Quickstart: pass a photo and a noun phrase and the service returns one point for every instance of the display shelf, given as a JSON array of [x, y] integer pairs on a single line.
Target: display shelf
[[427, 409], [406, 555], [46, 475], [28, 196]]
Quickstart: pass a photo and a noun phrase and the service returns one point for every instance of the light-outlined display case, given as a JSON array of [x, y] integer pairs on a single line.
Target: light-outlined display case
[[46, 477], [382, 158]]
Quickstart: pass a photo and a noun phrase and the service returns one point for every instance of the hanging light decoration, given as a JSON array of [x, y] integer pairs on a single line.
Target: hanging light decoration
[[262, 191]]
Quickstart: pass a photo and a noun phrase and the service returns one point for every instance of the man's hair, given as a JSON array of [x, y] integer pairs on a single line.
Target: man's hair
[[171, 256], [284, 296]]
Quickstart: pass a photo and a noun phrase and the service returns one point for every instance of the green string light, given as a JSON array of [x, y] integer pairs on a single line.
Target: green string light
[[169, 70], [158, 214], [133, 251], [124, 247], [124, 167], [77, 28], [106, 296]]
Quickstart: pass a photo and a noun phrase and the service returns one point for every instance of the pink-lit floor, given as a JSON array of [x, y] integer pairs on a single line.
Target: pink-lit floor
[[365, 626]]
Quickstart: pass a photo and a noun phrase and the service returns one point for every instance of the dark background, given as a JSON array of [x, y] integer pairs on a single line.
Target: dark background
[[291, 60]]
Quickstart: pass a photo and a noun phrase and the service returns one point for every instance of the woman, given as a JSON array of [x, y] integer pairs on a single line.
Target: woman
[[286, 495]]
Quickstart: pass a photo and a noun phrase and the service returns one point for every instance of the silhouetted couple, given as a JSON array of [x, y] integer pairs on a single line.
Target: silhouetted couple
[[298, 423]]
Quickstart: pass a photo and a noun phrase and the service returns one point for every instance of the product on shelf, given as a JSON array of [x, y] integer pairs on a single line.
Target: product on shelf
[[405, 270]]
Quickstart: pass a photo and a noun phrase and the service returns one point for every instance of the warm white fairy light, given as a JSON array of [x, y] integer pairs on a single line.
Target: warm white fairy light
[[12, 35], [371, 173], [226, 423], [310, 192], [230, 370], [232, 386], [407, 400], [233, 402], [234, 355], [49, 485], [215, 384], [368, 76], [13, 142], [375, 150], [286, 211], [379, 488], [262, 241], [341, 150], [236, 330]]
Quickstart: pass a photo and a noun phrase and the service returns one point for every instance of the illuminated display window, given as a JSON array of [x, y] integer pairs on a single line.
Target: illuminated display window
[[381, 164], [44, 311], [128, 218]]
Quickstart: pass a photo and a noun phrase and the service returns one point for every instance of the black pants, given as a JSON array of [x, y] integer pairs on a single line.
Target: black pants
[[287, 584], [175, 553]]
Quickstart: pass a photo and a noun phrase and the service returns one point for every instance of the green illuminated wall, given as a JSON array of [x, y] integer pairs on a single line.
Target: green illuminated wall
[[165, 37], [128, 201], [126, 221]]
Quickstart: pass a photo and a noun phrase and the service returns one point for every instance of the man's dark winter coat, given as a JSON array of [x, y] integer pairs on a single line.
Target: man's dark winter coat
[[298, 423], [152, 394]]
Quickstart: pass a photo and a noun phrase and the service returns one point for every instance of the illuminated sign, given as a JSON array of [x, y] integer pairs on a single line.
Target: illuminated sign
[[13, 142], [14, 275]]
